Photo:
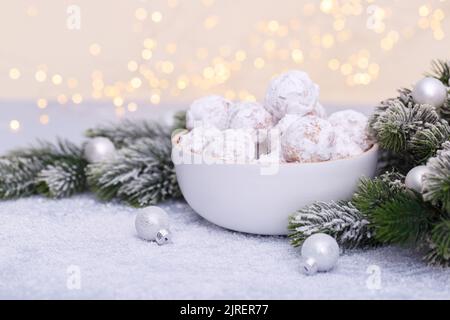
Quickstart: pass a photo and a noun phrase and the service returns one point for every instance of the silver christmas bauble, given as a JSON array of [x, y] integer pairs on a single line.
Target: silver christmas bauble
[[322, 250], [99, 149], [308, 266], [414, 178], [430, 91], [152, 224]]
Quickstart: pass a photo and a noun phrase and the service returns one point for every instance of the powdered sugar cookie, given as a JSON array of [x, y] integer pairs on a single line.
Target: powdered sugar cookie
[[209, 111], [308, 139], [291, 92]]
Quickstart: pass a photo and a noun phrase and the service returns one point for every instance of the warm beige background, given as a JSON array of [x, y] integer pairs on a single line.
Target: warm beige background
[[358, 51]]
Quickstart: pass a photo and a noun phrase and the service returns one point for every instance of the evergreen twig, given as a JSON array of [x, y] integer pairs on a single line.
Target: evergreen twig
[[127, 132], [24, 172], [338, 219], [141, 174], [437, 180]]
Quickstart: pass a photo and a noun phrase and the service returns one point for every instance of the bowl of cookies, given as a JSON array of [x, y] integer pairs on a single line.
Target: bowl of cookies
[[247, 166]]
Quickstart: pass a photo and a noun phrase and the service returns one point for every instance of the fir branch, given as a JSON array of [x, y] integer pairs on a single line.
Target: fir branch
[[179, 120], [440, 70], [62, 179], [390, 161], [17, 176], [425, 143], [373, 193], [21, 169], [439, 245], [341, 220], [437, 180], [127, 132], [404, 98], [394, 127], [141, 174], [403, 219]]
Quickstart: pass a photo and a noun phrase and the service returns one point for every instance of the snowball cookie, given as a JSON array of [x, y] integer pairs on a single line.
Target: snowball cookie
[[292, 92], [196, 140], [319, 111], [344, 146], [286, 122], [249, 115], [208, 111], [239, 146], [354, 124], [270, 158], [308, 139]]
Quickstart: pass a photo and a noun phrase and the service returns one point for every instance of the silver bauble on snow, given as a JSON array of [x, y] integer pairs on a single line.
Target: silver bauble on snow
[[430, 91], [308, 266], [414, 178], [320, 252], [152, 224], [99, 149]]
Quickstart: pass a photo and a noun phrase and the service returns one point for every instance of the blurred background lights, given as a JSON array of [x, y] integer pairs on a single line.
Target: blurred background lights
[[95, 49], [157, 16], [42, 103], [170, 52], [14, 125], [14, 73]]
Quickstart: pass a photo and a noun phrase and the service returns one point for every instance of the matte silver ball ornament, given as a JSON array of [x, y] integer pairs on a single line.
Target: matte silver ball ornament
[[152, 224], [308, 266], [99, 149], [430, 91], [320, 252], [414, 178]]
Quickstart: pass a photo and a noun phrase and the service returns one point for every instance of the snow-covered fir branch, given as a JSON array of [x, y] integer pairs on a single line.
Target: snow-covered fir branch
[[32, 170], [126, 132], [341, 220], [437, 180], [141, 174]]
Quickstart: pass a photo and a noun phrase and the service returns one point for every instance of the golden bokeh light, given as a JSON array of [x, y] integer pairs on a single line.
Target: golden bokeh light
[[14, 125], [42, 103], [44, 119], [145, 52], [95, 49], [14, 73]]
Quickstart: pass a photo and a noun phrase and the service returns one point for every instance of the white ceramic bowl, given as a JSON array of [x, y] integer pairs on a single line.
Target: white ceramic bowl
[[240, 198]]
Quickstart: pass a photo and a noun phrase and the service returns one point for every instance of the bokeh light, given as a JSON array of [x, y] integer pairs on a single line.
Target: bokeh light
[[165, 52]]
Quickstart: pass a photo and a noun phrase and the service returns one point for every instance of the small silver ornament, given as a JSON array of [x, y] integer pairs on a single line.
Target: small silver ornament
[[414, 178], [99, 149], [308, 266], [430, 91], [152, 224], [320, 252]]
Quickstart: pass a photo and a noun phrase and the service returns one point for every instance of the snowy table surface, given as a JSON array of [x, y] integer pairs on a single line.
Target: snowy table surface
[[44, 243], [41, 241]]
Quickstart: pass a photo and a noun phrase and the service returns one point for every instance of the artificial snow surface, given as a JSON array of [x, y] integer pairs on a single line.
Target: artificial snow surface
[[41, 238]]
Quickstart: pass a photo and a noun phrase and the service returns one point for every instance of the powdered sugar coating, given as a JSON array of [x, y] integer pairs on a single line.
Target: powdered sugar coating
[[196, 140], [353, 124], [215, 146], [319, 111], [291, 92], [286, 122], [240, 146], [344, 146], [209, 111], [249, 115], [308, 139]]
